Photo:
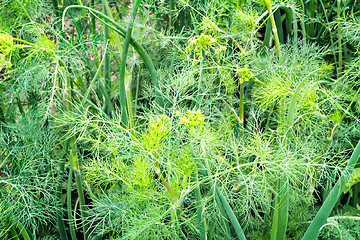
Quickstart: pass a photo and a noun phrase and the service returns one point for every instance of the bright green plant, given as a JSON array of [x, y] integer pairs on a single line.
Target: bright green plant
[[81, 158], [158, 129]]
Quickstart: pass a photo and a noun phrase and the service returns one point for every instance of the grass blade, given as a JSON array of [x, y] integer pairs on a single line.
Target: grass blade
[[273, 25], [239, 232], [281, 210], [225, 205], [75, 166], [107, 72], [69, 208], [59, 217], [279, 27], [311, 26], [267, 36], [320, 219], [22, 229], [292, 107], [201, 220]]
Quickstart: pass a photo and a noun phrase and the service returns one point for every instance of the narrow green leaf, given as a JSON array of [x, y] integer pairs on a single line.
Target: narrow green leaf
[[122, 92], [320, 219], [137, 46]]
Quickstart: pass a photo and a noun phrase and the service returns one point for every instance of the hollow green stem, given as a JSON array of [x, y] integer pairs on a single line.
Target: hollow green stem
[[69, 207], [201, 220], [224, 221], [122, 92], [223, 203], [281, 209], [279, 28], [311, 26], [107, 72], [295, 27], [74, 164], [239, 232], [129, 99], [59, 217], [137, 46]]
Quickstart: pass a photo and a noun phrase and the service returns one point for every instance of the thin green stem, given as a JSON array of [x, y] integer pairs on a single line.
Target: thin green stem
[[295, 27], [302, 20], [23, 41], [330, 35], [92, 18], [92, 104], [273, 25], [241, 108], [163, 180], [109, 104]]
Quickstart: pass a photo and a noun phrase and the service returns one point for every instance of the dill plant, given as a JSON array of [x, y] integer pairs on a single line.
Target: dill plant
[[30, 169], [237, 119]]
